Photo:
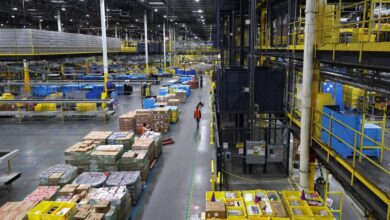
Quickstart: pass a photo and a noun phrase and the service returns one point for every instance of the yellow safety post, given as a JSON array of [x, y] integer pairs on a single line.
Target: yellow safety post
[[62, 69], [212, 180], [26, 77]]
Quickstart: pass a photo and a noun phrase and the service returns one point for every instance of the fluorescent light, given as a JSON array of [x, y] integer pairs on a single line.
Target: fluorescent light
[[165, 16], [87, 15], [63, 9], [12, 16], [15, 9], [156, 3], [200, 11], [156, 10]]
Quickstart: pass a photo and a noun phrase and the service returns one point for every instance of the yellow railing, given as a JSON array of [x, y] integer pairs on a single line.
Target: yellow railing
[[367, 32]]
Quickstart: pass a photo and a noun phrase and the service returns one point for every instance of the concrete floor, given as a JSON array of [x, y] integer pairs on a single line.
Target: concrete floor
[[177, 186]]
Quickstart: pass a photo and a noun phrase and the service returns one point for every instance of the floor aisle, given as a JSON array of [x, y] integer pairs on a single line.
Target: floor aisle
[[168, 195]]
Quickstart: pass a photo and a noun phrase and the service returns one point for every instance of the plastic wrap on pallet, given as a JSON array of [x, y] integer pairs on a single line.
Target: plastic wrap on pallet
[[79, 154], [146, 144], [65, 174], [157, 138], [43, 193], [105, 158], [100, 136], [92, 179], [134, 160], [117, 197], [161, 120], [122, 138], [130, 179], [16, 210]]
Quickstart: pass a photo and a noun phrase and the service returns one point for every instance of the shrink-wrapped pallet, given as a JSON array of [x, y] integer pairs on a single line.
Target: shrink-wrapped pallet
[[92, 179], [130, 179], [100, 136], [135, 160], [59, 174], [105, 158], [146, 144], [157, 138], [79, 154]]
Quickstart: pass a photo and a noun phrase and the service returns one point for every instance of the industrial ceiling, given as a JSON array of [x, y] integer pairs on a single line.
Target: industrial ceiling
[[194, 17]]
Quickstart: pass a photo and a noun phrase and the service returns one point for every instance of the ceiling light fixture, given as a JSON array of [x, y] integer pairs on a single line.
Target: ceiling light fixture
[[156, 10], [63, 9], [87, 15], [15, 9], [156, 3], [200, 11], [165, 16], [12, 16]]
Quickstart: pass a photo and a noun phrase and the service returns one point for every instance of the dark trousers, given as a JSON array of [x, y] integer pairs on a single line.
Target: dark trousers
[[197, 123]]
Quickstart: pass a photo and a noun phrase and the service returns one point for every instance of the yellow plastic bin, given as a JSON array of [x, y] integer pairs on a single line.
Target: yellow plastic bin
[[37, 212], [321, 213], [236, 209], [65, 211], [217, 194]]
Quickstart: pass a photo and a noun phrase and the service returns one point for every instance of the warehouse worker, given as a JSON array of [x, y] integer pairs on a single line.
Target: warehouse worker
[[144, 129], [197, 116]]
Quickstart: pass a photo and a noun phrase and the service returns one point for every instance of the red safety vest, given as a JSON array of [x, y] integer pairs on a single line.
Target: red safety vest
[[197, 114], [143, 130]]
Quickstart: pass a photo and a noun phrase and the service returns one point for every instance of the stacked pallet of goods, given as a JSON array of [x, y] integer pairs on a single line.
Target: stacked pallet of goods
[[135, 160], [105, 158], [142, 116], [161, 120], [127, 121], [79, 155], [146, 144]]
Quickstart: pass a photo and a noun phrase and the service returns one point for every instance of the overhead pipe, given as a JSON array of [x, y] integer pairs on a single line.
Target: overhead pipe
[[308, 57], [104, 43]]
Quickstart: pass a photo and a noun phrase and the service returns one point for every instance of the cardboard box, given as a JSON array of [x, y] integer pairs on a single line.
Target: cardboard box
[[279, 209], [102, 207], [55, 178], [95, 216], [81, 215], [215, 210]]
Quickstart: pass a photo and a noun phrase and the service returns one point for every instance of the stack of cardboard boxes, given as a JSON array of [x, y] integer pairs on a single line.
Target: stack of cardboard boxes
[[135, 160], [161, 120], [105, 158], [16, 210], [99, 136], [181, 95], [122, 138], [143, 116], [79, 154], [127, 121], [146, 144]]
